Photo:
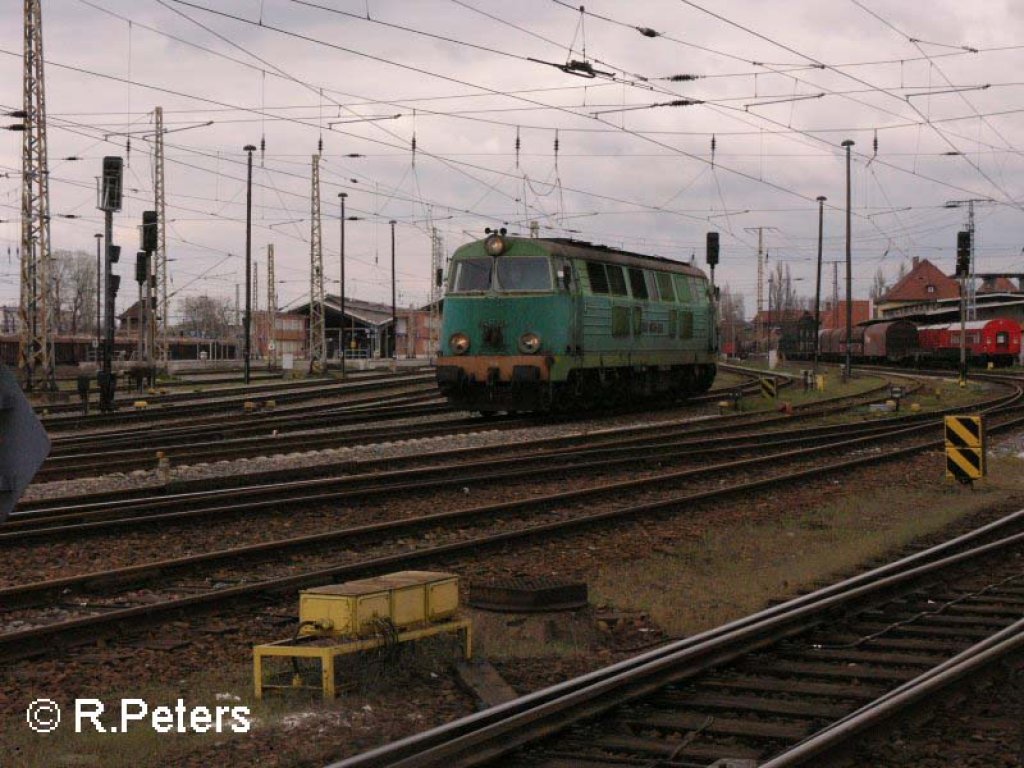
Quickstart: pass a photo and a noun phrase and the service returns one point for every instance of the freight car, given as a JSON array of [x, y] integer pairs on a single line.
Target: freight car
[[890, 342], [994, 341], [556, 324]]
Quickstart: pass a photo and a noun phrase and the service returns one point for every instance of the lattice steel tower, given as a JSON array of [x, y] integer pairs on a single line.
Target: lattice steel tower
[[163, 310], [35, 344], [271, 309], [317, 329], [436, 289]]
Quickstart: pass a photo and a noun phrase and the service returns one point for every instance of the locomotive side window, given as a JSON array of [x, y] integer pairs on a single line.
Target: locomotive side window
[[524, 274], [472, 275], [665, 287], [652, 286], [598, 277], [637, 284], [616, 280]]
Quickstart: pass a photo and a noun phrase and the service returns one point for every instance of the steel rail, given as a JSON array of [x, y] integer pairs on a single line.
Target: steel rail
[[609, 440], [365, 483], [493, 734], [971, 661], [266, 387], [241, 423], [214, 404], [34, 641]]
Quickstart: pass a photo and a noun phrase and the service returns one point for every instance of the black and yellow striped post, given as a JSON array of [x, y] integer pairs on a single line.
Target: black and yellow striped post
[[769, 386], [965, 448]]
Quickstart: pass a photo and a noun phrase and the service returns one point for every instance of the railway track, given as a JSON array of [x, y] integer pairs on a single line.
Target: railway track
[[80, 608], [188, 407], [591, 451], [787, 686], [300, 428]]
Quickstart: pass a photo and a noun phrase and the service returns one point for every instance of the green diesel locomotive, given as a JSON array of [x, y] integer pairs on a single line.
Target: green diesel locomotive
[[535, 324]]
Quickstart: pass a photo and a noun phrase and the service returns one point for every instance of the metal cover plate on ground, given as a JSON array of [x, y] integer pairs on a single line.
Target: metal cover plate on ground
[[24, 444], [528, 595]]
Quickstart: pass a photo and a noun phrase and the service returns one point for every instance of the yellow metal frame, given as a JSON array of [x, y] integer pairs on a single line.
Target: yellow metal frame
[[327, 653]]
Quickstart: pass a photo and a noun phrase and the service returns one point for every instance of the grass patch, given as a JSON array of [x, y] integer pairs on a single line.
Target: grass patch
[[732, 570]]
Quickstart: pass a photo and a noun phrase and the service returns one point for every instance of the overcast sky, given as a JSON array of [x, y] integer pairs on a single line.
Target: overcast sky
[[781, 85]]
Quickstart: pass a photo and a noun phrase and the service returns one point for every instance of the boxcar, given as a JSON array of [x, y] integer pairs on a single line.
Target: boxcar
[[546, 324], [894, 341]]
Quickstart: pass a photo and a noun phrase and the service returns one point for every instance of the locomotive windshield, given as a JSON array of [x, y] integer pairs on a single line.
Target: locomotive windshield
[[524, 274], [472, 275]]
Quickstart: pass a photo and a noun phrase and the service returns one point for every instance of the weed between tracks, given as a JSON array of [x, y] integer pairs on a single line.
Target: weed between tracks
[[733, 570]]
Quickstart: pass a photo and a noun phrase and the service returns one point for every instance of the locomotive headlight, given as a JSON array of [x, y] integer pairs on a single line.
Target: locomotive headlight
[[495, 245], [459, 342], [529, 343]]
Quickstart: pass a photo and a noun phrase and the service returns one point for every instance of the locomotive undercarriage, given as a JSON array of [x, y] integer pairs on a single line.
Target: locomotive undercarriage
[[584, 390]]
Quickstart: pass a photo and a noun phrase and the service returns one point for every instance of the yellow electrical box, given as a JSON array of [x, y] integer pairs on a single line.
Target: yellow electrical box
[[404, 598], [441, 593], [349, 608]]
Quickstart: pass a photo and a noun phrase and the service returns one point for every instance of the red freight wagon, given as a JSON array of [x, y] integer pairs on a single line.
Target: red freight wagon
[[892, 342], [996, 341]]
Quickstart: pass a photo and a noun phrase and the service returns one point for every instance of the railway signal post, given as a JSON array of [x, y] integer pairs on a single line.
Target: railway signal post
[[963, 271], [109, 202]]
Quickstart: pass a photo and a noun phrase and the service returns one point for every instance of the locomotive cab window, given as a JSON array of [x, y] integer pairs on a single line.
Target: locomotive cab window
[[1002, 338], [471, 275], [524, 274]]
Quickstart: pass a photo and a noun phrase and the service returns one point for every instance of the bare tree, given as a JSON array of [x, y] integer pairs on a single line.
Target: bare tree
[[878, 285], [74, 291], [782, 293], [731, 314], [206, 317]]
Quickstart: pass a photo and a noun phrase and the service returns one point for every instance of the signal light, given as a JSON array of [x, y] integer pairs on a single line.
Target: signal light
[[113, 284], [963, 254], [110, 193], [141, 267], [149, 231], [712, 249], [114, 253]]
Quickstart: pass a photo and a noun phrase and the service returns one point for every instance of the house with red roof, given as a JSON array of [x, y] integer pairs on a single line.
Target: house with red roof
[[924, 284]]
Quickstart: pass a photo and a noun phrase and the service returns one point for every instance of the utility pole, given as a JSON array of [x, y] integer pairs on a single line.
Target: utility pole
[[394, 312], [159, 266], [817, 285], [99, 289], [835, 294], [341, 336], [437, 285], [760, 267], [35, 342], [848, 370], [271, 310], [317, 324], [248, 149]]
